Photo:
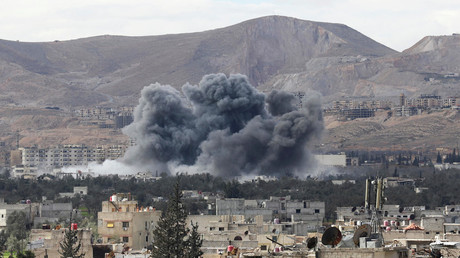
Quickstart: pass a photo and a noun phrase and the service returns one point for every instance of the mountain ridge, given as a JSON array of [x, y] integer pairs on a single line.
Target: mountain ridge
[[115, 67]]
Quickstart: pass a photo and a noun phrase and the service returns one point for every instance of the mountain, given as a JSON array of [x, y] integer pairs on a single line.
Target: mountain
[[275, 52], [430, 66], [113, 69]]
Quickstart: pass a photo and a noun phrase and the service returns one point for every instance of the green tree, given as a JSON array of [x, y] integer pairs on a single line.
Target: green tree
[[26, 254], [3, 238], [232, 189], [439, 158], [15, 245], [194, 242], [171, 236], [16, 225], [71, 245]]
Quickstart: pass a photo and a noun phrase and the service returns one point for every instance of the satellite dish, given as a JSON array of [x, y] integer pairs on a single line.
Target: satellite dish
[[312, 242], [332, 236], [353, 209], [412, 217], [452, 210], [363, 231], [401, 209]]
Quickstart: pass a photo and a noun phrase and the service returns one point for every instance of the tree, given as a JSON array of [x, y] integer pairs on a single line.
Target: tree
[[16, 225], [71, 245], [3, 238], [171, 236], [194, 242], [232, 190], [15, 245], [439, 158]]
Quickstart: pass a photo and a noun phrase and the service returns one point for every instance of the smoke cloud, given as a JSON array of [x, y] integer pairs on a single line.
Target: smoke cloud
[[223, 127]]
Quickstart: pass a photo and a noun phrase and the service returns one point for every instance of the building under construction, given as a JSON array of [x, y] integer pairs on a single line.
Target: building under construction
[[353, 113]]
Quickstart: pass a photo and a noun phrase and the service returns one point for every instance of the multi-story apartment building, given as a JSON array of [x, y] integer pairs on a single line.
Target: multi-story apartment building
[[123, 221], [68, 155]]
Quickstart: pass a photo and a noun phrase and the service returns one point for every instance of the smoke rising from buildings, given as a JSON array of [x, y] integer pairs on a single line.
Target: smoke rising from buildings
[[222, 125]]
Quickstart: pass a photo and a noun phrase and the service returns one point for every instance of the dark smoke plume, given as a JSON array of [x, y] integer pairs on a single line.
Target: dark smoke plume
[[280, 102], [222, 125]]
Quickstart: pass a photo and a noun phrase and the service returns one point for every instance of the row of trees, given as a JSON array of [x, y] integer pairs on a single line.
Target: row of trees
[[450, 158]]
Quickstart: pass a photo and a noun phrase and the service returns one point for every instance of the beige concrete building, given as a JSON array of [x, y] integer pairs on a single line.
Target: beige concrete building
[[123, 221]]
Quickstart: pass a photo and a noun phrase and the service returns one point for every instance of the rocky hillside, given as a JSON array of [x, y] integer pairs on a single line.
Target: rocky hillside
[[423, 132], [274, 52], [105, 69], [430, 66]]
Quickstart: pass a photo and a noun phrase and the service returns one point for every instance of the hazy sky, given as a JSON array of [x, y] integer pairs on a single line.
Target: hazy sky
[[395, 23]]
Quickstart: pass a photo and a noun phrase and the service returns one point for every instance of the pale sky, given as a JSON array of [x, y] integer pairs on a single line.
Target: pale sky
[[398, 24]]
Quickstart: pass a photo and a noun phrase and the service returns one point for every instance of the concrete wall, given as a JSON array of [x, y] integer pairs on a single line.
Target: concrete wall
[[332, 160], [55, 210], [31, 210], [433, 224], [52, 238], [362, 253]]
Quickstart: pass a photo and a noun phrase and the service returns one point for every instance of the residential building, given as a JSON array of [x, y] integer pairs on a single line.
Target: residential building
[[50, 212], [281, 209], [46, 159], [123, 221], [80, 190], [26, 172]]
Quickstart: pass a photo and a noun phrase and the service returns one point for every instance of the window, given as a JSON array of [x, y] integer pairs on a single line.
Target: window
[[146, 238], [297, 211], [316, 210], [212, 228], [125, 224], [275, 238], [125, 239], [110, 224], [221, 228], [263, 247]]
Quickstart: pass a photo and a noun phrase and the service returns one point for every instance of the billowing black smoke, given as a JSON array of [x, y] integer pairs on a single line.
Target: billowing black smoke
[[222, 125]]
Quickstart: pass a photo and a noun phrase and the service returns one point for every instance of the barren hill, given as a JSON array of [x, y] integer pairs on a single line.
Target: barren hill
[[275, 52], [103, 69], [423, 133]]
